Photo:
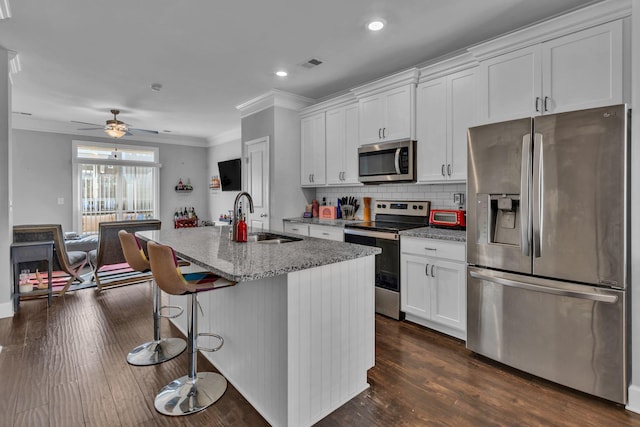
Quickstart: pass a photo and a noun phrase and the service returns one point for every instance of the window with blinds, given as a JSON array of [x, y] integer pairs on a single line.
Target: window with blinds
[[113, 183]]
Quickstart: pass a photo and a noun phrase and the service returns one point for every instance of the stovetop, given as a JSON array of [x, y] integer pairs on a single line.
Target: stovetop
[[396, 215]]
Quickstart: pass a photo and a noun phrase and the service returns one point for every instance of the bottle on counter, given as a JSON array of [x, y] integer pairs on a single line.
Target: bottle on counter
[[315, 208], [367, 208], [241, 232], [338, 210]]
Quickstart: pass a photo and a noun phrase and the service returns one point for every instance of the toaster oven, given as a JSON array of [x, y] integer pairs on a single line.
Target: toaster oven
[[446, 218]]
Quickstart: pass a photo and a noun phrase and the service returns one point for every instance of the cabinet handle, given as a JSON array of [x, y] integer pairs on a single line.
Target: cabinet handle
[[426, 270], [383, 133], [325, 234], [442, 169], [537, 103], [430, 249], [263, 215], [432, 275], [379, 130], [294, 229], [449, 169], [546, 105]]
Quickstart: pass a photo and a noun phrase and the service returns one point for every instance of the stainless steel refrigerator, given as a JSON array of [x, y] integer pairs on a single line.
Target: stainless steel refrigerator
[[547, 247]]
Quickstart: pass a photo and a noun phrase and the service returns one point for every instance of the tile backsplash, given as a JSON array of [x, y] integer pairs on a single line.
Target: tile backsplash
[[440, 195]]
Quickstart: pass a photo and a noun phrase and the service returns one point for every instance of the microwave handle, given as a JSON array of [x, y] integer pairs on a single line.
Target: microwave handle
[[397, 160]]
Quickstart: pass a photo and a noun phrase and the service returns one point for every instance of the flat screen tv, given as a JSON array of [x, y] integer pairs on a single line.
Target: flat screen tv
[[230, 175]]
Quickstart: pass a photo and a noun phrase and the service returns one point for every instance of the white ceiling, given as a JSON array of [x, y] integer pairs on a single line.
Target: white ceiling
[[80, 58]]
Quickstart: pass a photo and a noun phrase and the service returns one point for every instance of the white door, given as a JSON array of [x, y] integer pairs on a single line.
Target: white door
[[371, 119], [352, 141], [256, 182], [414, 285], [335, 134], [397, 124], [461, 109], [512, 85], [432, 130], [583, 70], [448, 294]]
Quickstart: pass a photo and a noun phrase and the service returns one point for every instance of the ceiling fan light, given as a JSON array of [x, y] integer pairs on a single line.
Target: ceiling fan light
[[115, 130]]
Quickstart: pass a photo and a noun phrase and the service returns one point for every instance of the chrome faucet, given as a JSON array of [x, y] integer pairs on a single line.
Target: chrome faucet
[[235, 212]]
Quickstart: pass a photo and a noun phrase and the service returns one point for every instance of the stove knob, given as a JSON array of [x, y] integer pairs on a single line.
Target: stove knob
[[378, 206], [415, 207], [420, 207], [384, 206]]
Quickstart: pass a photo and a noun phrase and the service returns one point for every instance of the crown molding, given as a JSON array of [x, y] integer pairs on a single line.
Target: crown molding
[[571, 22], [273, 98], [393, 81], [443, 66], [225, 137], [20, 122], [337, 102]]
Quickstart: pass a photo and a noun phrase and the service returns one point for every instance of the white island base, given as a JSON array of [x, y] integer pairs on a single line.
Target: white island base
[[296, 346]]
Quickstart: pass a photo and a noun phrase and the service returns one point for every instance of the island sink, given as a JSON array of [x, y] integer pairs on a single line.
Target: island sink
[[262, 237]]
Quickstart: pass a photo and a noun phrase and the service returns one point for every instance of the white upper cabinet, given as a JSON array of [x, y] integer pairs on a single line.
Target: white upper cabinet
[[446, 109], [342, 125], [572, 72], [387, 108], [312, 150]]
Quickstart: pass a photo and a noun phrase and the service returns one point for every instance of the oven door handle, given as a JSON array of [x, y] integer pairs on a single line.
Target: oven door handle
[[369, 233]]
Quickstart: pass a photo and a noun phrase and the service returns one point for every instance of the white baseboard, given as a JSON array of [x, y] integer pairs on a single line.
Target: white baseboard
[[6, 309], [633, 403]]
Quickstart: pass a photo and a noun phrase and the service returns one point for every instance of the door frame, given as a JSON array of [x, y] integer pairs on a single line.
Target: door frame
[[266, 172]]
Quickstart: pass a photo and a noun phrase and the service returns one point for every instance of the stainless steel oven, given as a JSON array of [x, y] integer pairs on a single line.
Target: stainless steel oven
[[387, 162], [391, 217]]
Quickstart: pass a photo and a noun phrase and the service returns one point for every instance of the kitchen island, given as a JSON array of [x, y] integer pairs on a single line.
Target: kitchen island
[[299, 325]]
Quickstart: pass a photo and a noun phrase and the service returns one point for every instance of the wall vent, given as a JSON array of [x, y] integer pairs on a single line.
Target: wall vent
[[311, 63]]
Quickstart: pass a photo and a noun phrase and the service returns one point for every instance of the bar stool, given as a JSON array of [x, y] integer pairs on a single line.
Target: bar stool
[[196, 390], [160, 349]]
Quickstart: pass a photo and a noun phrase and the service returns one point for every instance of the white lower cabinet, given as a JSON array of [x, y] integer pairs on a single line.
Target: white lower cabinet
[[296, 228], [433, 284], [326, 232]]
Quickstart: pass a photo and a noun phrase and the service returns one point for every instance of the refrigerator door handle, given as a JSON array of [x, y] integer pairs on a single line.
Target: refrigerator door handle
[[525, 171], [610, 299], [538, 184]]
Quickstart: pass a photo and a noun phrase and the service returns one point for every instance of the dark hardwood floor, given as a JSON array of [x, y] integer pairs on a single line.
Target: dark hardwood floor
[[66, 366]]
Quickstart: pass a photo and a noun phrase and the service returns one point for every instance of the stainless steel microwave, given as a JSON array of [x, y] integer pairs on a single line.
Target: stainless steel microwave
[[387, 162]]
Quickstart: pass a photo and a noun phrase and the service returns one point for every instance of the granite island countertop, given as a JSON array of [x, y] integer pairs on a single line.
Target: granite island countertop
[[210, 248], [436, 233]]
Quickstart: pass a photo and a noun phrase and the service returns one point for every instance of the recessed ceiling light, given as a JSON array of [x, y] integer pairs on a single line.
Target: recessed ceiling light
[[376, 25], [281, 73]]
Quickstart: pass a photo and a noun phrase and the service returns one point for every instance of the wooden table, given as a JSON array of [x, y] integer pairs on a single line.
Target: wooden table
[[28, 252]]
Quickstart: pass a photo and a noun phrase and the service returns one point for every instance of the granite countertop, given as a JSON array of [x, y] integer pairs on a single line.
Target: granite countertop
[[437, 233], [210, 248], [318, 221]]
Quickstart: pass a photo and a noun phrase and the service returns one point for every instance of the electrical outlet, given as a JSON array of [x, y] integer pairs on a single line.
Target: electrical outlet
[[458, 198]]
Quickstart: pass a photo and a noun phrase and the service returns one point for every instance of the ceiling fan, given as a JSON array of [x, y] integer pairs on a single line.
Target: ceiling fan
[[114, 127]]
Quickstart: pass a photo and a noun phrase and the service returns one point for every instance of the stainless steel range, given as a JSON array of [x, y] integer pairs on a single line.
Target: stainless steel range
[[391, 217]]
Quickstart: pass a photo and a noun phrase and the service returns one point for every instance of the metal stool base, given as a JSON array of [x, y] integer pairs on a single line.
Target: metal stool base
[[185, 396], [154, 352]]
